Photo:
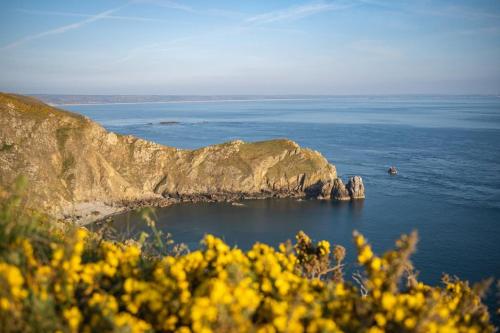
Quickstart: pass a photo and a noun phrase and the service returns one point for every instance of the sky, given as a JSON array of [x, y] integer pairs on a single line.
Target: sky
[[250, 47]]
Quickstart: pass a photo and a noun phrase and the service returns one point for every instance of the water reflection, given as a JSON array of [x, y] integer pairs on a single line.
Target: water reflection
[[270, 220], [355, 207]]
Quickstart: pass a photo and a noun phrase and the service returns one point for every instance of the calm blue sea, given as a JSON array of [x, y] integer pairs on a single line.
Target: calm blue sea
[[447, 150]]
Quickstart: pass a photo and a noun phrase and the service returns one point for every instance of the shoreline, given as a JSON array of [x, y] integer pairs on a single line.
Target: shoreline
[[84, 213]]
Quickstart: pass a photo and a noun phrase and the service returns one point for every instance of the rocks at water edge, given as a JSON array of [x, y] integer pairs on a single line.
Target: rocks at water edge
[[356, 187], [325, 191], [336, 190], [339, 191]]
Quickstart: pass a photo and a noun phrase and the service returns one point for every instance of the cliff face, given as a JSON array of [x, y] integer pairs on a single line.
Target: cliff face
[[70, 160]]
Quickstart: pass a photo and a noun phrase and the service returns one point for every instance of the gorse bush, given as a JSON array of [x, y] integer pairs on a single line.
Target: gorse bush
[[62, 278]]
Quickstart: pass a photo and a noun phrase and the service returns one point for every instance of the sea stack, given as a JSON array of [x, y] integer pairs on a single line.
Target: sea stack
[[356, 188], [339, 191], [336, 190]]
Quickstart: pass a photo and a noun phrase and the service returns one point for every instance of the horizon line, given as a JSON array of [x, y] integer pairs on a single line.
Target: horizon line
[[180, 99], [256, 94]]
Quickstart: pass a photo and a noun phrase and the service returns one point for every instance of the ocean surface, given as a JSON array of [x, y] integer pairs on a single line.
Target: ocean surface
[[446, 148]]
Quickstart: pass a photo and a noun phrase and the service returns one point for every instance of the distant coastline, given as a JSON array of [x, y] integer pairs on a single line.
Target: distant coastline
[[64, 100], [60, 100], [188, 101]]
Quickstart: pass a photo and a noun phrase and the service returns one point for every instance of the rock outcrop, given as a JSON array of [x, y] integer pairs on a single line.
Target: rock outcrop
[[339, 191], [392, 170], [336, 190], [71, 162], [356, 187]]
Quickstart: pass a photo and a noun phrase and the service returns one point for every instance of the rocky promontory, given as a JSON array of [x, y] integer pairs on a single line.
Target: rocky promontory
[[77, 168]]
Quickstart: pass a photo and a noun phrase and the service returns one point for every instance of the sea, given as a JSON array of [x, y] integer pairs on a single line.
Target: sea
[[446, 148]]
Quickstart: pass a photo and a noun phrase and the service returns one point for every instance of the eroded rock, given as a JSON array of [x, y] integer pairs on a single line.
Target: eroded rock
[[339, 191], [326, 191], [356, 188], [336, 190]]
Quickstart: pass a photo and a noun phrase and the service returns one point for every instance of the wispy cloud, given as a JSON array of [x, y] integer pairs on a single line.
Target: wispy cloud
[[294, 12], [461, 12], [231, 14], [168, 4], [430, 9], [67, 14], [62, 29]]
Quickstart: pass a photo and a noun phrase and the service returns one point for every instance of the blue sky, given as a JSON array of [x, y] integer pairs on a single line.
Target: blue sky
[[250, 47]]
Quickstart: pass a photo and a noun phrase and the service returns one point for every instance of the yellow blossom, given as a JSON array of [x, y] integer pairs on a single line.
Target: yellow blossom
[[73, 318]]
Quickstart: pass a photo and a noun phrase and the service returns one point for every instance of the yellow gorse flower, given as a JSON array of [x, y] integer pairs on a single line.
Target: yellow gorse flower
[[110, 286], [73, 318]]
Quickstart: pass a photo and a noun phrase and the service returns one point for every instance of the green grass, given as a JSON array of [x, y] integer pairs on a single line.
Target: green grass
[[62, 136], [35, 109], [68, 163], [6, 147]]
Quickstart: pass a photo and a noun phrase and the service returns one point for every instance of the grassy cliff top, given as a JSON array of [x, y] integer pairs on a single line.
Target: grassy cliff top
[[33, 108]]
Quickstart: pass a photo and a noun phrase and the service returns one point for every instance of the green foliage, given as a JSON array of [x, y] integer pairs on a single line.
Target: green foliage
[[6, 147], [17, 223], [62, 135], [34, 109], [68, 163]]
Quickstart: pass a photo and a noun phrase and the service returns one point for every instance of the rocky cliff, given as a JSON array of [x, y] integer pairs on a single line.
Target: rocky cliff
[[72, 162]]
